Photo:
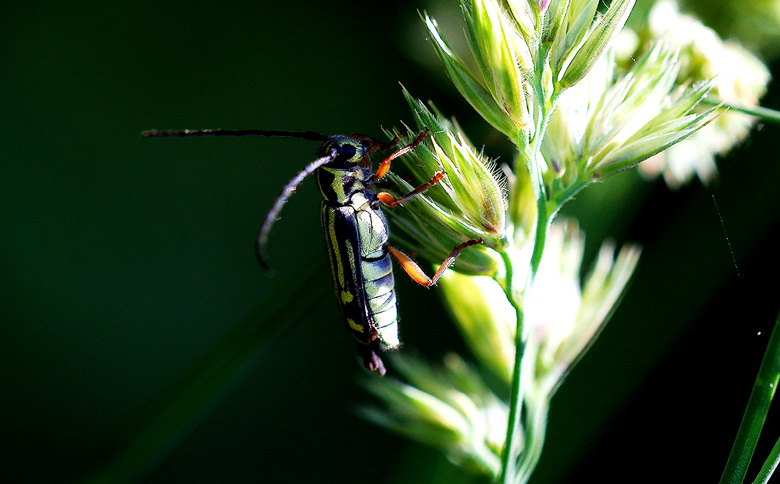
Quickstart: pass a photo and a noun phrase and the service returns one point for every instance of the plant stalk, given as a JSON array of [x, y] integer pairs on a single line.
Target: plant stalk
[[769, 115], [508, 463], [509, 459]]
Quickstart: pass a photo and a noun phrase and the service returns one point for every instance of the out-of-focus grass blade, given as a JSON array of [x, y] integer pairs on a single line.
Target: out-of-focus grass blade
[[179, 408]]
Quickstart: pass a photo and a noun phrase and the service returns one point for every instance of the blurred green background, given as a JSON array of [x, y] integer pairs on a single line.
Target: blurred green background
[[129, 281]]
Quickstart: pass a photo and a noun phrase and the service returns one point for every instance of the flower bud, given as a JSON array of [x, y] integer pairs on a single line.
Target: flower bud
[[595, 43], [467, 203], [504, 59]]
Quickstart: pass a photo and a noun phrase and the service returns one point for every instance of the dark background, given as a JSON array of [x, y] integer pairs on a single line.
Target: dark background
[[127, 268]]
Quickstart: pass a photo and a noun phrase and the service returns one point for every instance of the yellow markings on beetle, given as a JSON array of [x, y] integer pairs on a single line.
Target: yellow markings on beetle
[[346, 296], [355, 326], [336, 252]]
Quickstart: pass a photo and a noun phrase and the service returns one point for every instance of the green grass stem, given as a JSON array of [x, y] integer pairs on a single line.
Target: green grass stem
[[755, 413], [769, 115], [770, 465]]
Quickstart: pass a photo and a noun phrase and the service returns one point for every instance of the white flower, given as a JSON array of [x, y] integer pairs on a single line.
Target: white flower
[[739, 78], [605, 125]]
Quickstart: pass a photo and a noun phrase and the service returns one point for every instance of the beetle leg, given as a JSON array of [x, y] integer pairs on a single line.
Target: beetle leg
[[377, 145], [417, 274], [384, 167], [391, 201]]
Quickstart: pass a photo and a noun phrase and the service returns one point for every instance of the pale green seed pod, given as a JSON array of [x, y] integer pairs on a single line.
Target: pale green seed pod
[[595, 43], [485, 318], [504, 59]]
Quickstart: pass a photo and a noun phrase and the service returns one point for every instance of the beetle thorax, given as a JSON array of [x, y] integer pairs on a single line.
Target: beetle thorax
[[339, 184]]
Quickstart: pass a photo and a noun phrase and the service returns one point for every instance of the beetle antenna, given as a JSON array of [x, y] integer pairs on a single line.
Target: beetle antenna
[[183, 133], [287, 191]]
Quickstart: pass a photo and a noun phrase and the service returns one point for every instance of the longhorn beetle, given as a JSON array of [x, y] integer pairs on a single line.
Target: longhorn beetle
[[355, 229]]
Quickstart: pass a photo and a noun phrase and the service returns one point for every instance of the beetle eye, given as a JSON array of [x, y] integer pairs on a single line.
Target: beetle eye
[[347, 152]]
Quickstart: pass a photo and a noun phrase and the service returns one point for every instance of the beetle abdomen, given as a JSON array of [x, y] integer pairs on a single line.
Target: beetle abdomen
[[380, 294]]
